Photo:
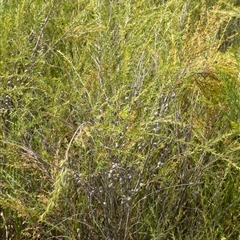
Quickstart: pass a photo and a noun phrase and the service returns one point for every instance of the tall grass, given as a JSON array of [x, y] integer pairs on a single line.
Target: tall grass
[[120, 120]]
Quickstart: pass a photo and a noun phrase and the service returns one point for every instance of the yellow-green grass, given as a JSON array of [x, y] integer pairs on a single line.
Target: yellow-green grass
[[119, 120]]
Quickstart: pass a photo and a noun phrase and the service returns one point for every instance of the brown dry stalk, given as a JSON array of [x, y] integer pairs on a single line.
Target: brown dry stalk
[[207, 72], [209, 84]]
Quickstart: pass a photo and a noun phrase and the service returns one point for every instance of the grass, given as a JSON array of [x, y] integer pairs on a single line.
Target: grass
[[119, 120]]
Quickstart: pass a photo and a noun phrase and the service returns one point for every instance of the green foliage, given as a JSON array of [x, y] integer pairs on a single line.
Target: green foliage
[[119, 120]]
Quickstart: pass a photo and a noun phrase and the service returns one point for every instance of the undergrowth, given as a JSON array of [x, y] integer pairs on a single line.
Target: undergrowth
[[119, 120]]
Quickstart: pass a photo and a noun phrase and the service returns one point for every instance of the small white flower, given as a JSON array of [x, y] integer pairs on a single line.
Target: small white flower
[[160, 164], [129, 199]]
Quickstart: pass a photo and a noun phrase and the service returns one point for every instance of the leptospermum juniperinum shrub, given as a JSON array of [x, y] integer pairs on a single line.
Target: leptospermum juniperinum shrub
[[119, 120]]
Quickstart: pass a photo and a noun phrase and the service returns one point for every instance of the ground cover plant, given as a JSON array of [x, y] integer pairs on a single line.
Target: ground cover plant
[[119, 119]]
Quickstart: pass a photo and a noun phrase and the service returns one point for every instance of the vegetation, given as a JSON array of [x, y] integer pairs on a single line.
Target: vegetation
[[119, 120]]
